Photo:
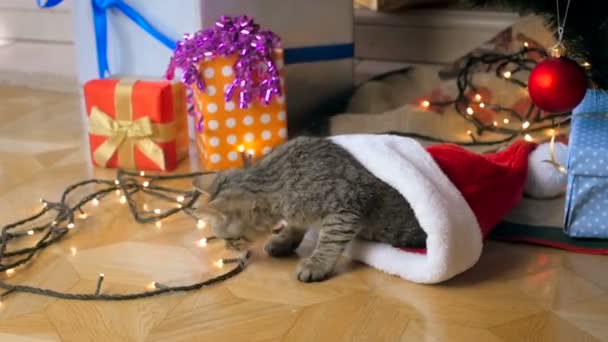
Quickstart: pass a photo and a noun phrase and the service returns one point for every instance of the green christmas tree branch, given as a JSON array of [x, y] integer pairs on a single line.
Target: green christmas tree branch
[[586, 31]]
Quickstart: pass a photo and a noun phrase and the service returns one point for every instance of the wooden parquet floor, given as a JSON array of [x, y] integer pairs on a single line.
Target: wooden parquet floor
[[515, 293]]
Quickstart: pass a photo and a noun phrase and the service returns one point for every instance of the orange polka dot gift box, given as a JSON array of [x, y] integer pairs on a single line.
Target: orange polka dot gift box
[[137, 125], [234, 73]]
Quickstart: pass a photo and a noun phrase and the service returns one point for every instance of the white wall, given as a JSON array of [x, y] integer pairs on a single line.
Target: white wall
[[42, 54], [36, 47], [22, 19]]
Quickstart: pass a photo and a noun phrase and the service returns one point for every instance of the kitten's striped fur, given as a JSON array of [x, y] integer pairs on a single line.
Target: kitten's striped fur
[[310, 182]]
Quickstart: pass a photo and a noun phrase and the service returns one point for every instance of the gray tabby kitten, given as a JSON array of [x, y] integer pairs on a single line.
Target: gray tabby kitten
[[309, 182]]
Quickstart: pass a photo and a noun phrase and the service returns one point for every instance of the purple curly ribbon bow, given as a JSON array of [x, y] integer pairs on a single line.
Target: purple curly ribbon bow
[[256, 74]]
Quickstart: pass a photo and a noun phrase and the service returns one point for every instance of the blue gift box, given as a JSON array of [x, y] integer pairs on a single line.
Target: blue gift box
[[587, 192]]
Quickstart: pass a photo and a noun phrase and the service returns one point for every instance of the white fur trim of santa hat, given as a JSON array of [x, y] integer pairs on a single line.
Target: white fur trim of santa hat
[[454, 239]]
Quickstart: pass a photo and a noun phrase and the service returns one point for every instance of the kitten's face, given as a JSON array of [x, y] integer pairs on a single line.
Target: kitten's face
[[236, 218]]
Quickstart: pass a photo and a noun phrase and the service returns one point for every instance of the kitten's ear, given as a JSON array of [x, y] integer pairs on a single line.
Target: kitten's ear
[[217, 203], [255, 207], [212, 216], [219, 181], [201, 184]]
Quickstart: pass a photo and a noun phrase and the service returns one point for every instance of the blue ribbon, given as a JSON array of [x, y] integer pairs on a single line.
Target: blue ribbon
[[48, 4], [100, 21]]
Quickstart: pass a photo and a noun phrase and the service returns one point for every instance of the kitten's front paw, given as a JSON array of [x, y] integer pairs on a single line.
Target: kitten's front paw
[[309, 271], [278, 247]]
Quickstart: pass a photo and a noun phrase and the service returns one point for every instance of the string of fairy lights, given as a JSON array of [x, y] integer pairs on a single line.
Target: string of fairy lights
[[55, 220], [510, 124]]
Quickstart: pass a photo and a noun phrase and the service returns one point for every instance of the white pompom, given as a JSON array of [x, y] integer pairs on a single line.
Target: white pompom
[[545, 180]]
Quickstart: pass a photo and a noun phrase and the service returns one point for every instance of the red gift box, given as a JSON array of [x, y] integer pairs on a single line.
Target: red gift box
[[137, 124]]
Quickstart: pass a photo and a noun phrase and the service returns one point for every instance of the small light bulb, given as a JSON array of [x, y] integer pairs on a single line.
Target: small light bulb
[[470, 111], [117, 192], [495, 123], [507, 74], [157, 211], [525, 125], [117, 182], [159, 224], [71, 225], [180, 199], [30, 232], [241, 148], [477, 97], [146, 184], [425, 104], [526, 44], [586, 65], [151, 285], [528, 137], [73, 251], [219, 263], [202, 242], [179, 206], [251, 152], [95, 202], [551, 132], [506, 121], [142, 174], [83, 216], [145, 207], [123, 200], [482, 105], [469, 132], [10, 271], [200, 224], [101, 275]]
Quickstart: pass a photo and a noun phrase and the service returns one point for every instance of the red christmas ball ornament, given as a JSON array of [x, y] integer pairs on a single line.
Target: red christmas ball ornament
[[557, 84]]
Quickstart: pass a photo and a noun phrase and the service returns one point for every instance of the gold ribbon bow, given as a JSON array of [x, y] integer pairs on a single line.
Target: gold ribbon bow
[[124, 133]]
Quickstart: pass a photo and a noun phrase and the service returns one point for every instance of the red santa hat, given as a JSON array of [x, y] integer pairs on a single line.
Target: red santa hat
[[457, 196]]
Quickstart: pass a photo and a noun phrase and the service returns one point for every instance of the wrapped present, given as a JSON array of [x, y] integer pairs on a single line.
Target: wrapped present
[[137, 124], [136, 38], [587, 193], [234, 70], [227, 129]]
